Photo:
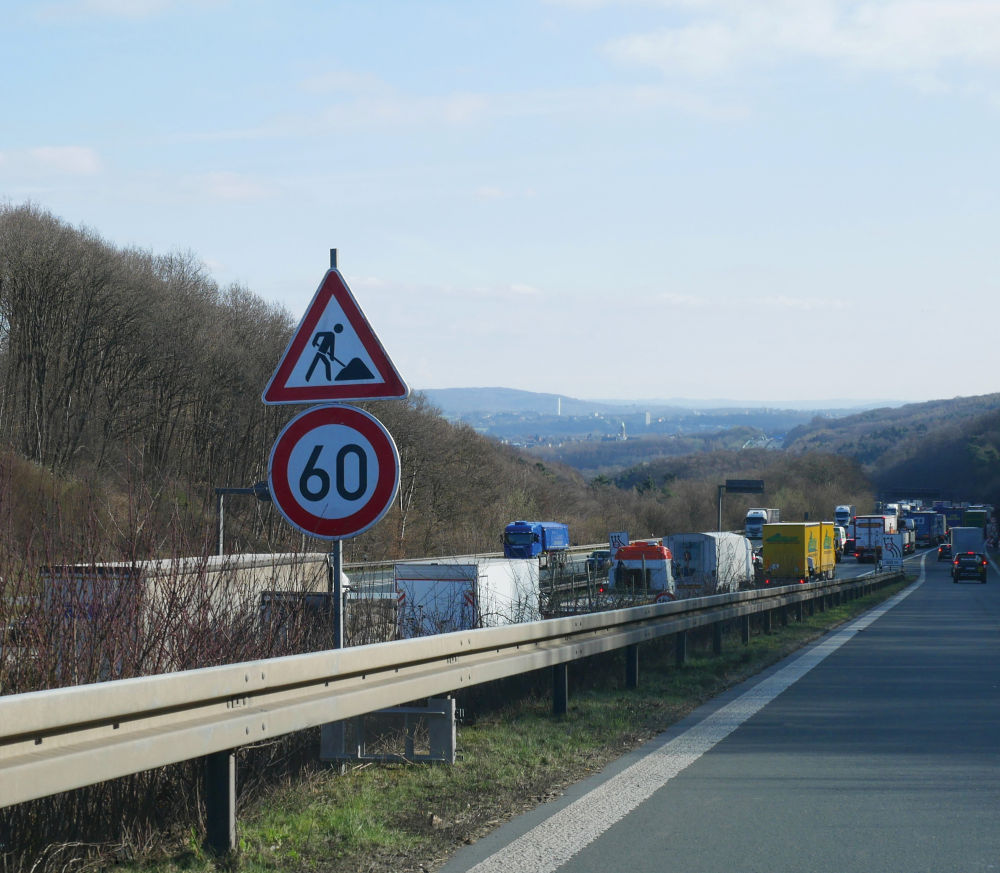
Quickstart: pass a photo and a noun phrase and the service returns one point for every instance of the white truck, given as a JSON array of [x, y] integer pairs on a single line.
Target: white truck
[[869, 535], [844, 514], [908, 528], [756, 518], [710, 563], [967, 539], [642, 571], [437, 596]]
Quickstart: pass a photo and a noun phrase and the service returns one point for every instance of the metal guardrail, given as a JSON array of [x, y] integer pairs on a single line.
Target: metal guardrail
[[57, 740]]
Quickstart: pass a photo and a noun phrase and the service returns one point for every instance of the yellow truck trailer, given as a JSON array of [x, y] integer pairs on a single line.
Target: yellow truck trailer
[[798, 552]]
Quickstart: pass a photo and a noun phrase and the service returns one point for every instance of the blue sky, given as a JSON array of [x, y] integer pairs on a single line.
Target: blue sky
[[789, 200]]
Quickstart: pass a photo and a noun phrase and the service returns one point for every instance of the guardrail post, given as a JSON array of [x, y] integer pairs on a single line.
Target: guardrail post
[[220, 802], [560, 689], [745, 629], [800, 611], [717, 638], [632, 666], [765, 621], [680, 647]]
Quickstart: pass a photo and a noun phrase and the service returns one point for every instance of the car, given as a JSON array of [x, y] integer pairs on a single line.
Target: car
[[849, 546], [599, 560], [944, 552], [968, 565]]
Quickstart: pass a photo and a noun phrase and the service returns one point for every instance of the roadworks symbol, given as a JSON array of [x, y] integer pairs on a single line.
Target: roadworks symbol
[[325, 343]]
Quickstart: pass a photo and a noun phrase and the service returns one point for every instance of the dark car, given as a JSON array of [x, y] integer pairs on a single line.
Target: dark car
[[599, 560], [944, 551], [968, 565]]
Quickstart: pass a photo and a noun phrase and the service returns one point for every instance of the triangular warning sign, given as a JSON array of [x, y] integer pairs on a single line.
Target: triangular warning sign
[[334, 355]]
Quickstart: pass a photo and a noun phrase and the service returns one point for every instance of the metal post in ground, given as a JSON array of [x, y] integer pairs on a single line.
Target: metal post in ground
[[336, 589], [680, 647], [220, 802], [560, 689], [632, 666]]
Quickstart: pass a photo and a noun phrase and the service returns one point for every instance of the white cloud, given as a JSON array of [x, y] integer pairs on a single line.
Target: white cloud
[[69, 160], [226, 185], [804, 304], [342, 81], [522, 290], [923, 39], [672, 299]]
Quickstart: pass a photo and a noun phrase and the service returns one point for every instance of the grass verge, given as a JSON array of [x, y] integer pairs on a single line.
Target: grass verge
[[376, 818]]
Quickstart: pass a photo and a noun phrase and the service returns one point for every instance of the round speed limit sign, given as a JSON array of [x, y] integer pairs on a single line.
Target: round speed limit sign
[[334, 471]]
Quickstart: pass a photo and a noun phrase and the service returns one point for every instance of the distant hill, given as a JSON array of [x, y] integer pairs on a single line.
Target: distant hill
[[876, 435], [458, 402], [941, 448], [529, 419], [948, 447]]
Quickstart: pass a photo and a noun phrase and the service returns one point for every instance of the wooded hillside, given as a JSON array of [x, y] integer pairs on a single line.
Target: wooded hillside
[[951, 447]]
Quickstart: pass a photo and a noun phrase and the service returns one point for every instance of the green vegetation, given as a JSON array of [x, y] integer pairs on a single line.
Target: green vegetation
[[391, 817]]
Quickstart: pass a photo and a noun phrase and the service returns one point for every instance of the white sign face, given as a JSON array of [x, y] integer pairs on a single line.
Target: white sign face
[[334, 355], [334, 471], [892, 552], [616, 540]]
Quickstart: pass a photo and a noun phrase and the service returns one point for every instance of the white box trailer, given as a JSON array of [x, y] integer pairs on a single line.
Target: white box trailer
[[967, 539], [438, 596], [92, 601], [710, 563]]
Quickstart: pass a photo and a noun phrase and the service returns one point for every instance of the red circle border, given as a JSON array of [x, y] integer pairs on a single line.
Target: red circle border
[[385, 489]]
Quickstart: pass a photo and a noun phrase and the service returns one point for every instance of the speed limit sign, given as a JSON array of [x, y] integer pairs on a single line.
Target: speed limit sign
[[334, 471]]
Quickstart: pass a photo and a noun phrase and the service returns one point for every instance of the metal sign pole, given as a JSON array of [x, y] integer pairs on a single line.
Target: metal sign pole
[[336, 590]]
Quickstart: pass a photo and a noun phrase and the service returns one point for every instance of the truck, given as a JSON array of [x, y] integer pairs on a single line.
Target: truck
[[710, 563], [642, 571], [869, 533], [843, 514], [954, 514], [438, 596], [755, 520], [908, 528], [967, 539], [798, 552], [931, 527], [975, 516], [547, 541]]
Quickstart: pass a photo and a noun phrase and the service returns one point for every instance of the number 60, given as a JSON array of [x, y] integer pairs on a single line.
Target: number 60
[[313, 472]]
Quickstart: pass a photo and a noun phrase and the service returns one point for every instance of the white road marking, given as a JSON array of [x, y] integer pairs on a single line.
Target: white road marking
[[549, 845]]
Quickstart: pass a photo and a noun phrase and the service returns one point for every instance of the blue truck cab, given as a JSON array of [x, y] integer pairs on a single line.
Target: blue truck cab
[[531, 539]]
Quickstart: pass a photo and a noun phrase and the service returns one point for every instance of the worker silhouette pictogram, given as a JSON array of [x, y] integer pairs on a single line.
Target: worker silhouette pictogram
[[325, 342]]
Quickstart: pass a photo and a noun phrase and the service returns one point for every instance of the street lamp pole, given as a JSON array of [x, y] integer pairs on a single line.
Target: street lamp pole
[[260, 491]]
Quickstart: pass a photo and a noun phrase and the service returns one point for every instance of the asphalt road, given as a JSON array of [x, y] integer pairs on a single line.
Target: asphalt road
[[877, 749]]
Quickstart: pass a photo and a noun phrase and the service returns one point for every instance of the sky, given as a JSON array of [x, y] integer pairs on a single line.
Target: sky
[[761, 200]]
